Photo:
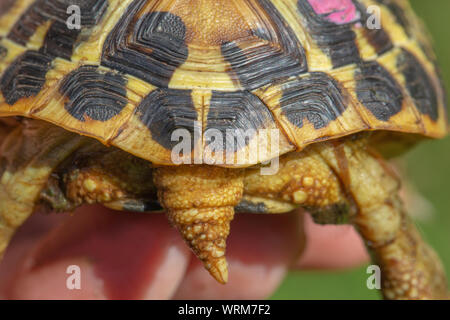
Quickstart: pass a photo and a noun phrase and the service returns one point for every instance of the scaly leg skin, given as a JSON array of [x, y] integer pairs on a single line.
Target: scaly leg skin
[[303, 180], [28, 155], [410, 268], [200, 203]]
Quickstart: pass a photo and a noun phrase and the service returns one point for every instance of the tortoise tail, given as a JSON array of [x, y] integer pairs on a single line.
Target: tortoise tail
[[200, 203]]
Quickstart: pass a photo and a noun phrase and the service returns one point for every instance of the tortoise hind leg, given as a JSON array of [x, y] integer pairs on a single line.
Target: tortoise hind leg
[[410, 268], [304, 180], [28, 155]]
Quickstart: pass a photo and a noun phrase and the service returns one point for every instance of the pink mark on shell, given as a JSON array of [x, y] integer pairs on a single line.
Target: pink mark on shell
[[336, 11]]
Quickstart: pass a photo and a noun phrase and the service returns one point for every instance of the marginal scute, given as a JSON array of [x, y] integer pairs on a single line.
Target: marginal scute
[[337, 40], [165, 110], [93, 94], [151, 47], [266, 55], [316, 97], [237, 112], [418, 83], [25, 77], [378, 91]]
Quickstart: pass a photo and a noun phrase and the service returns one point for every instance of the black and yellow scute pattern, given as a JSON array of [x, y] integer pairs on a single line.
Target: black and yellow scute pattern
[[138, 70]]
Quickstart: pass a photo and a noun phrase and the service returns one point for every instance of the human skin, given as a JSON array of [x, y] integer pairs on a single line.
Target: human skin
[[140, 256]]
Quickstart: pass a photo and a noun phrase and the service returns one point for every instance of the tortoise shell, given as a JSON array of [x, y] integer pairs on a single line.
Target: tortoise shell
[[138, 70]]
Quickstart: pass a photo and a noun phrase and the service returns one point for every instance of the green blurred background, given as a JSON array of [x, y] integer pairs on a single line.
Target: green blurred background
[[428, 167]]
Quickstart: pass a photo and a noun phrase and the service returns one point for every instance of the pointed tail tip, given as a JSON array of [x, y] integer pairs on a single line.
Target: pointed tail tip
[[218, 268]]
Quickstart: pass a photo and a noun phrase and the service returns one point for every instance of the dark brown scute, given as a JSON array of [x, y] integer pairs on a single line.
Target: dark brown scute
[[26, 26], [25, 76], [378, 91], [150, 48], [418, 84], [93, 94], [60, 41], [316, 97], [236, 112], [280, 57], [379, 39], [165, 110]]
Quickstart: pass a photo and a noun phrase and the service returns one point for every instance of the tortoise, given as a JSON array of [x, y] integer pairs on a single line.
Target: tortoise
[[204, 108]]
